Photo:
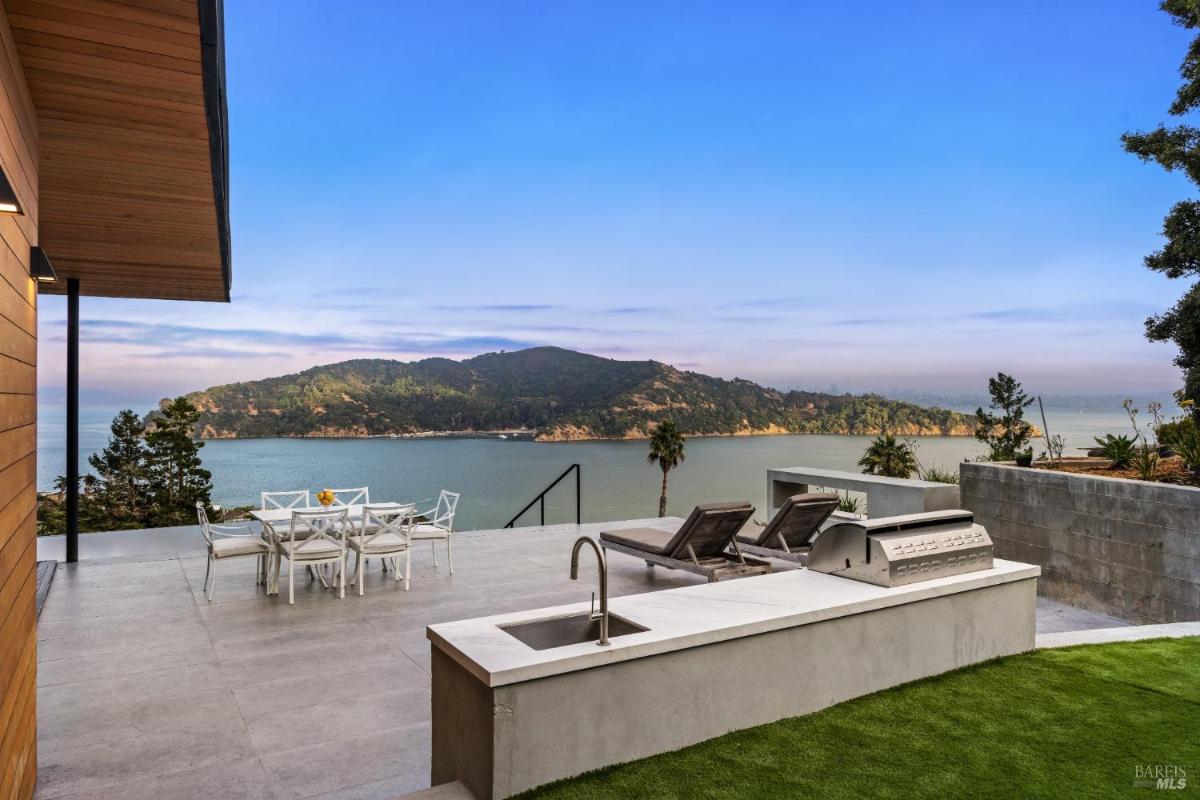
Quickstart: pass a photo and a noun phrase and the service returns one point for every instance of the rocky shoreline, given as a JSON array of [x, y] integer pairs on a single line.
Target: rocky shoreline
[[571, 434]]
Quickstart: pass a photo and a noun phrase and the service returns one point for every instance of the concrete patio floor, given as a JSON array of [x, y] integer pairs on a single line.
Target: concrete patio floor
[[148, 690]]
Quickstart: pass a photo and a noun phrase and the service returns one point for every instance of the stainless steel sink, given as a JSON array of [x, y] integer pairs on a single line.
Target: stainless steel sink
[[543, 634]]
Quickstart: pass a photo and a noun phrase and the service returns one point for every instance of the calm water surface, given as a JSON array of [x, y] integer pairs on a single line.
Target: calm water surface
[[497, 478]]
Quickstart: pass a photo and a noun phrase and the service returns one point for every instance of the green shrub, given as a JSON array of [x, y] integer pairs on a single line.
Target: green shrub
[[1145, 459], [848, 503], [1187, 445], [1054, 448], [1169, 433], [1118, 449], [939, 475]]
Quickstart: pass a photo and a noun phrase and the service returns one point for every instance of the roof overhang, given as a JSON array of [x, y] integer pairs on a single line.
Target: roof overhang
[[133, 143]]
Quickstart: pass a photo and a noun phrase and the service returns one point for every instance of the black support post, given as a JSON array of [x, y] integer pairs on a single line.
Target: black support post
[[72, 486]]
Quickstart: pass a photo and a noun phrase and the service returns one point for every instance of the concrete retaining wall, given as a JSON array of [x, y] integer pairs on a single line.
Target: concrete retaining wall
[[1124, 547]]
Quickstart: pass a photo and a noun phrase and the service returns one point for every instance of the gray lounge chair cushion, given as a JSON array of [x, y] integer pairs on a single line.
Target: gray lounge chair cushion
[[648, 539], [750, 533], [798, 521], [708, 529]]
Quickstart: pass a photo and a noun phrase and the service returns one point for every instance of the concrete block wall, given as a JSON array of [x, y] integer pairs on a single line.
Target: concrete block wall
[[1124, 547]]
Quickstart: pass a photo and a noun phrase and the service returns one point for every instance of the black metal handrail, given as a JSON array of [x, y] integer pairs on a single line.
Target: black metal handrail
[[541, 498]]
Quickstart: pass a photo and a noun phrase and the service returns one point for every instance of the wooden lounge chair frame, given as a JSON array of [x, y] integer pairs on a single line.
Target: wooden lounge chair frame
[[719, 566], [783, 551]]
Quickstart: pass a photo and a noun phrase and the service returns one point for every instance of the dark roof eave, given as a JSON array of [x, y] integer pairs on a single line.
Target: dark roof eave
[[216, 109]]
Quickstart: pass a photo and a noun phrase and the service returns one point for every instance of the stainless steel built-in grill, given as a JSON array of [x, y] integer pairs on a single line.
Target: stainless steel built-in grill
[[893, 551]]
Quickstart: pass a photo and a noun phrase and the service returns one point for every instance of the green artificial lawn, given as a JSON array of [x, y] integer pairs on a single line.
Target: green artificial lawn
[[1053, 723]]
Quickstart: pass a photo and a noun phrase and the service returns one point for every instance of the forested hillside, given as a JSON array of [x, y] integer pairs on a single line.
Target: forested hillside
[[560, 394]]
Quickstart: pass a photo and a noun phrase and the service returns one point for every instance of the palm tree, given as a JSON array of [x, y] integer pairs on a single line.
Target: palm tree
[[889, 458], [666, 450]]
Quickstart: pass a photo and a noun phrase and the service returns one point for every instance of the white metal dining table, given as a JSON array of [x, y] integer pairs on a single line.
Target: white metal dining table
[[276, 521]]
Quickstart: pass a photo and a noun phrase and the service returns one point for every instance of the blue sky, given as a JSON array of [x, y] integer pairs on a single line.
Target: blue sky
[[885, 195]]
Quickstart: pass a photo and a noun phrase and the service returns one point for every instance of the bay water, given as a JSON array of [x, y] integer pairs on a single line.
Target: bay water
[[498, 477]]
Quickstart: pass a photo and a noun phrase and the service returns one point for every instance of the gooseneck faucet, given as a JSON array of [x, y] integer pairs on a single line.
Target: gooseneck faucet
[[603, 566]]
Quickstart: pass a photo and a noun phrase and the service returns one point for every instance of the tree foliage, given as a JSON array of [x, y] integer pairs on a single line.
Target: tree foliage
[[666, 450], [889, 457], [1005, 433], [147, 476], [178, 479], [122, 481], [1178, 149]]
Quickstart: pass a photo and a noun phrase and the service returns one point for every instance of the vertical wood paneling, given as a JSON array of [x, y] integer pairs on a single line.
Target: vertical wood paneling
[[18, 415]]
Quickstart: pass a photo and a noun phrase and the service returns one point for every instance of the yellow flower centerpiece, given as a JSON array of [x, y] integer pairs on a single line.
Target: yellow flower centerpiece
[[325, 498]]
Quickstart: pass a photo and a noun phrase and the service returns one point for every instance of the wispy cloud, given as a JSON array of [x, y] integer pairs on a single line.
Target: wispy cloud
[[771, 302], [864, 321], [506, 308], [1016, 314], [212, 352], [1118, 310], [205, 341], [451, 345], [749, 319], [116, 331], [579, 329], [630, 310]]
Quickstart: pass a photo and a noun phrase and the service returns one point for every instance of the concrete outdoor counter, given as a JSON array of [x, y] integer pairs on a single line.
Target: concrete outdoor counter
[[715, 657], [692, 616]]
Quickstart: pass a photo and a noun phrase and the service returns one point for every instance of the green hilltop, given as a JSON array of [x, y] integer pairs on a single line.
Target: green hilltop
[[559, 394]]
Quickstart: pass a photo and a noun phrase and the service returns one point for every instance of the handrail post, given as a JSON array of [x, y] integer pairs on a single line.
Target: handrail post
[[540, 499]]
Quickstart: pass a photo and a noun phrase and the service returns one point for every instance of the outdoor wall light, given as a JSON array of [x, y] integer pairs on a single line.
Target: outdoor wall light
[[40, 268], [8, 198]]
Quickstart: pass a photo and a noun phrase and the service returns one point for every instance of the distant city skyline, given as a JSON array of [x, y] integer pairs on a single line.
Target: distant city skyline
[[877, 197]]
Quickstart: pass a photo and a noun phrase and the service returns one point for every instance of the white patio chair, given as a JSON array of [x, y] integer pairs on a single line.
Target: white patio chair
[[297, 499], [382, 533], [314, 538], [351, 497], [230, 541], [344, 498], [440, 525]]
